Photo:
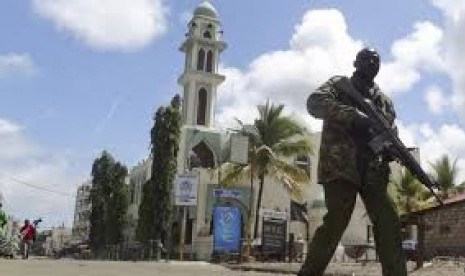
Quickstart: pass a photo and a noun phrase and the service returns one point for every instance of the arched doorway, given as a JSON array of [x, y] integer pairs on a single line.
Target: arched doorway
[[205, 155]]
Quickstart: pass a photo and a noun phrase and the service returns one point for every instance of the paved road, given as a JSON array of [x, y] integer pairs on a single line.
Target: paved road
[[100, 268]]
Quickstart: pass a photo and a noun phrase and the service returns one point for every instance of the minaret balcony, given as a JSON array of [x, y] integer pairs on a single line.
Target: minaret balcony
[[190, 75], [220, 45]]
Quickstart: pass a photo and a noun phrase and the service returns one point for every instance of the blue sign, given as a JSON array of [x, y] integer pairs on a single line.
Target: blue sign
[[227, 229]]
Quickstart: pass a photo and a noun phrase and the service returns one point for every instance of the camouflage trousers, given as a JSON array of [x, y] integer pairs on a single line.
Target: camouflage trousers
[[340, 197]]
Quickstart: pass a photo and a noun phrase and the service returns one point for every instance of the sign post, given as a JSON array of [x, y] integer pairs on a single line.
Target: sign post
[[185, 195]]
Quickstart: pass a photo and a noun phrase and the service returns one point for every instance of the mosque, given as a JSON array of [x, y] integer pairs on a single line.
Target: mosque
[[200, 79], [192, 228]]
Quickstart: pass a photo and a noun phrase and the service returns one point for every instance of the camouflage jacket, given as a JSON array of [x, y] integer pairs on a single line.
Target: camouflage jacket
[[344, 153]]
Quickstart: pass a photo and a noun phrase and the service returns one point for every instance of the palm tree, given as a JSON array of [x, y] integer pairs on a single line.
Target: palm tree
[[275, 141], [410, 195], [445, 174], [460, 188]]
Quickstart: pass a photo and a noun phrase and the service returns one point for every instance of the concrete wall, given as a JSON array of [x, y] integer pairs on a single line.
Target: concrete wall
[[138, 176], [445, 230]]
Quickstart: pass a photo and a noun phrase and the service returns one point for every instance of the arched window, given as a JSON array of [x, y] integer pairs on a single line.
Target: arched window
[[207, 34], [200, 59], [203, 152], [209, 61], [202, 107]]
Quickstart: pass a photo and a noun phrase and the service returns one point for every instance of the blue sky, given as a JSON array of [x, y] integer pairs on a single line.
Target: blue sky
[[77, 76]]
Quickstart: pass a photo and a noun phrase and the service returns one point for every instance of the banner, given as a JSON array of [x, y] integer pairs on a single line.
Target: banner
[[266, 213], [186, 190], [227, 224], [226, 193]]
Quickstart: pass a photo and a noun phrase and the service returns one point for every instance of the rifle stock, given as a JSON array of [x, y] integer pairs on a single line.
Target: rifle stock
[[386, 135]]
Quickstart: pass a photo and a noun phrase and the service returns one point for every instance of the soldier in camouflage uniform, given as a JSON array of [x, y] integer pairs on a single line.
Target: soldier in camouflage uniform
[[348, 166]]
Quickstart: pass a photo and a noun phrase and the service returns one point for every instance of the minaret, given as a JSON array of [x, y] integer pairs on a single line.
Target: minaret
[[200, 79]]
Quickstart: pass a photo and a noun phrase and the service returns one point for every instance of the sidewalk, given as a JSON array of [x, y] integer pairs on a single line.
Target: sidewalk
[[448, 268], [339, 269]]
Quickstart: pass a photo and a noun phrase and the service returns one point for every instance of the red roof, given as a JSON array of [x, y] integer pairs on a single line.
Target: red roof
[[455, 198], [447, 202]]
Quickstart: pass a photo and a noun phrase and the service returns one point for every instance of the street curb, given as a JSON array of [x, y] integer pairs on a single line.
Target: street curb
[[259, 269], [274, 270]]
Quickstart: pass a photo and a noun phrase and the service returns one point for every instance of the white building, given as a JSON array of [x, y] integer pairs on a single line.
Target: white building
[[82, 210], [60, 237], [200, 79], [138, 176]]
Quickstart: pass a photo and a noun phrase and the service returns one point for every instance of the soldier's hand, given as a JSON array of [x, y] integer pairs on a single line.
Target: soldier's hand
[[361, 120], [389, 153]]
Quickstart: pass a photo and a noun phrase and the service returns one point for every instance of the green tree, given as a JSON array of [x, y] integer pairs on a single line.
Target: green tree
[[460, 188], [109, 201], [144, 230], [156, 206], [409, 193], [276, 140], [445, 174], [118, 201]]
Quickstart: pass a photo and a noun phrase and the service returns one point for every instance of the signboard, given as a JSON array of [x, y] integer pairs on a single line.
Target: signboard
[[216, 196], [226, 229], [226, 193], [239, 149], [274, 236], [273, 214], [186, 190]]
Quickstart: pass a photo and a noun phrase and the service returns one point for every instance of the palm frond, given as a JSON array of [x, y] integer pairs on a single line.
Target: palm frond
[[410, 195], [232, 173], [292, 177], [445, 173], [298, 147]]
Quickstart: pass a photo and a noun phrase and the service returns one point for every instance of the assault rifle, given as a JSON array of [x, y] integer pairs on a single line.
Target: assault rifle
[[386, 138]]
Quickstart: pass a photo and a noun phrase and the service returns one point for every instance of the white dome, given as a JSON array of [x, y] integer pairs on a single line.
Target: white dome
[[206, 9]]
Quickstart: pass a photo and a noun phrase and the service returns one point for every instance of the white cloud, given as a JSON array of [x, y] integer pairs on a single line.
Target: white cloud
[[14, 63], [419, 51], [448, 139], [7, 127], [436, 100], [319, 48], [125, 25], [454, 43], [22, 160], [13, 144], [452, 9]]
